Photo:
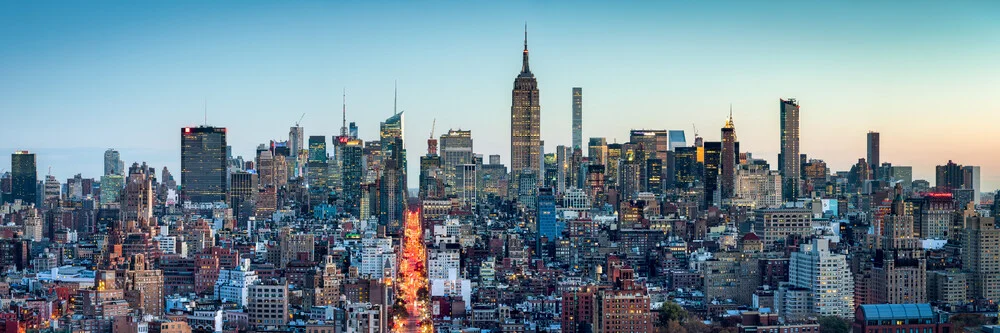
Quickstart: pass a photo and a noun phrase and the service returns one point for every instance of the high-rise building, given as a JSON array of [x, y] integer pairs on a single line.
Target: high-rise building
[[970, 181], [655, 143], [525, 126], [903, 175], [873, 154], [316, 171], [242, 191], [949, 177], [23, 177], [727, 167], [143, 286], [466, 186], [137, 198], [624, 308], [548, 226], [757, 186], [789, 161], [686, 166], [777, 224], [392, 189], [713, 160], [234, 283], [577, 118], [981, 257], [900, 269], [203, 164], [819, 284], [597, 151], [296, 139], [676, 139], [53, 190], [113, 164], [456, 151], [353, 174], [111, 188]]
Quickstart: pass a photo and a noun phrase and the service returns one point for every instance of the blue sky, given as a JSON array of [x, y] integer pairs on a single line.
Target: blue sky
[[79, 77]]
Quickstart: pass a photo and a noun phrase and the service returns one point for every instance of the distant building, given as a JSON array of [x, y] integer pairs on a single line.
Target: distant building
[[729, 160], [777, 224], [456, 151], [113, 164], [788, 161], [949, 177], [577, 118], [203, 164], [873, 318], [24, 178], [981, 257], [525, 125], [873, 158]]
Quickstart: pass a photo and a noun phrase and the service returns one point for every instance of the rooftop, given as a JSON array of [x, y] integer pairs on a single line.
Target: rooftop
[[897, 311]]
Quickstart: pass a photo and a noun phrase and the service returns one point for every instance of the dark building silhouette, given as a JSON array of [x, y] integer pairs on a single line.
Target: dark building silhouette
[[203, 164]]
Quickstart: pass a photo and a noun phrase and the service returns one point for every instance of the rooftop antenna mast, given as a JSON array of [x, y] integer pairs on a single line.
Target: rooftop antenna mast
[[206, 111], [395, 96], [343, 126]]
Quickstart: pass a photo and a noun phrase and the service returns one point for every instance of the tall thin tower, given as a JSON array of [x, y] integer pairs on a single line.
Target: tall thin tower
[[525, 144], [873, 154], [789, 163], [577, 118], [727, 169]]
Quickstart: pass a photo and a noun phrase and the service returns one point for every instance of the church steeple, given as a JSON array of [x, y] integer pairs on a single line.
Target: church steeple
[[524, 64]]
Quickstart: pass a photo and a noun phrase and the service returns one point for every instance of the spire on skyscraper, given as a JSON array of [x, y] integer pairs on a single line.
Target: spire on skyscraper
[[524, 64], [729, 122]]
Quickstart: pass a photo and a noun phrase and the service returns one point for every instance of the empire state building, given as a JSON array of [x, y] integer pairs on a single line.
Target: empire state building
[[525, 118]]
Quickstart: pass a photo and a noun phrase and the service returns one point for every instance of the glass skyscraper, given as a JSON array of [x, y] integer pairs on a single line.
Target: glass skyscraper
[[203, 164], [24, 177]]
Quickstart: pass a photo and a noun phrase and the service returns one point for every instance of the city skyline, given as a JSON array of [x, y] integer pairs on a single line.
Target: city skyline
[[121, 77]]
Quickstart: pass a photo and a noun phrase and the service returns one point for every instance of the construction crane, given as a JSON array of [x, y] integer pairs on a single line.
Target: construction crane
[[433, 123], [300, 119], [695, 130]]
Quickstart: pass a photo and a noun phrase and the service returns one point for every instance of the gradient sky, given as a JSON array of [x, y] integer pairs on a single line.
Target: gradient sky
[[78, 77]]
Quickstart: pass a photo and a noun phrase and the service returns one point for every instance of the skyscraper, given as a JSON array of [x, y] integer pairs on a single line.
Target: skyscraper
[[970, 180], [676, 139], [392, 190], [456, 151], [819, 283], [203, 164], [113, 164], [598, 151], [980, 256], [548, 226], [316, 170], [873, 154], [577, 118], [353, 170], [949, 176], [727, 167], [900, 273], [24, 177], [242, 191], [525, 121], [789, 161]]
